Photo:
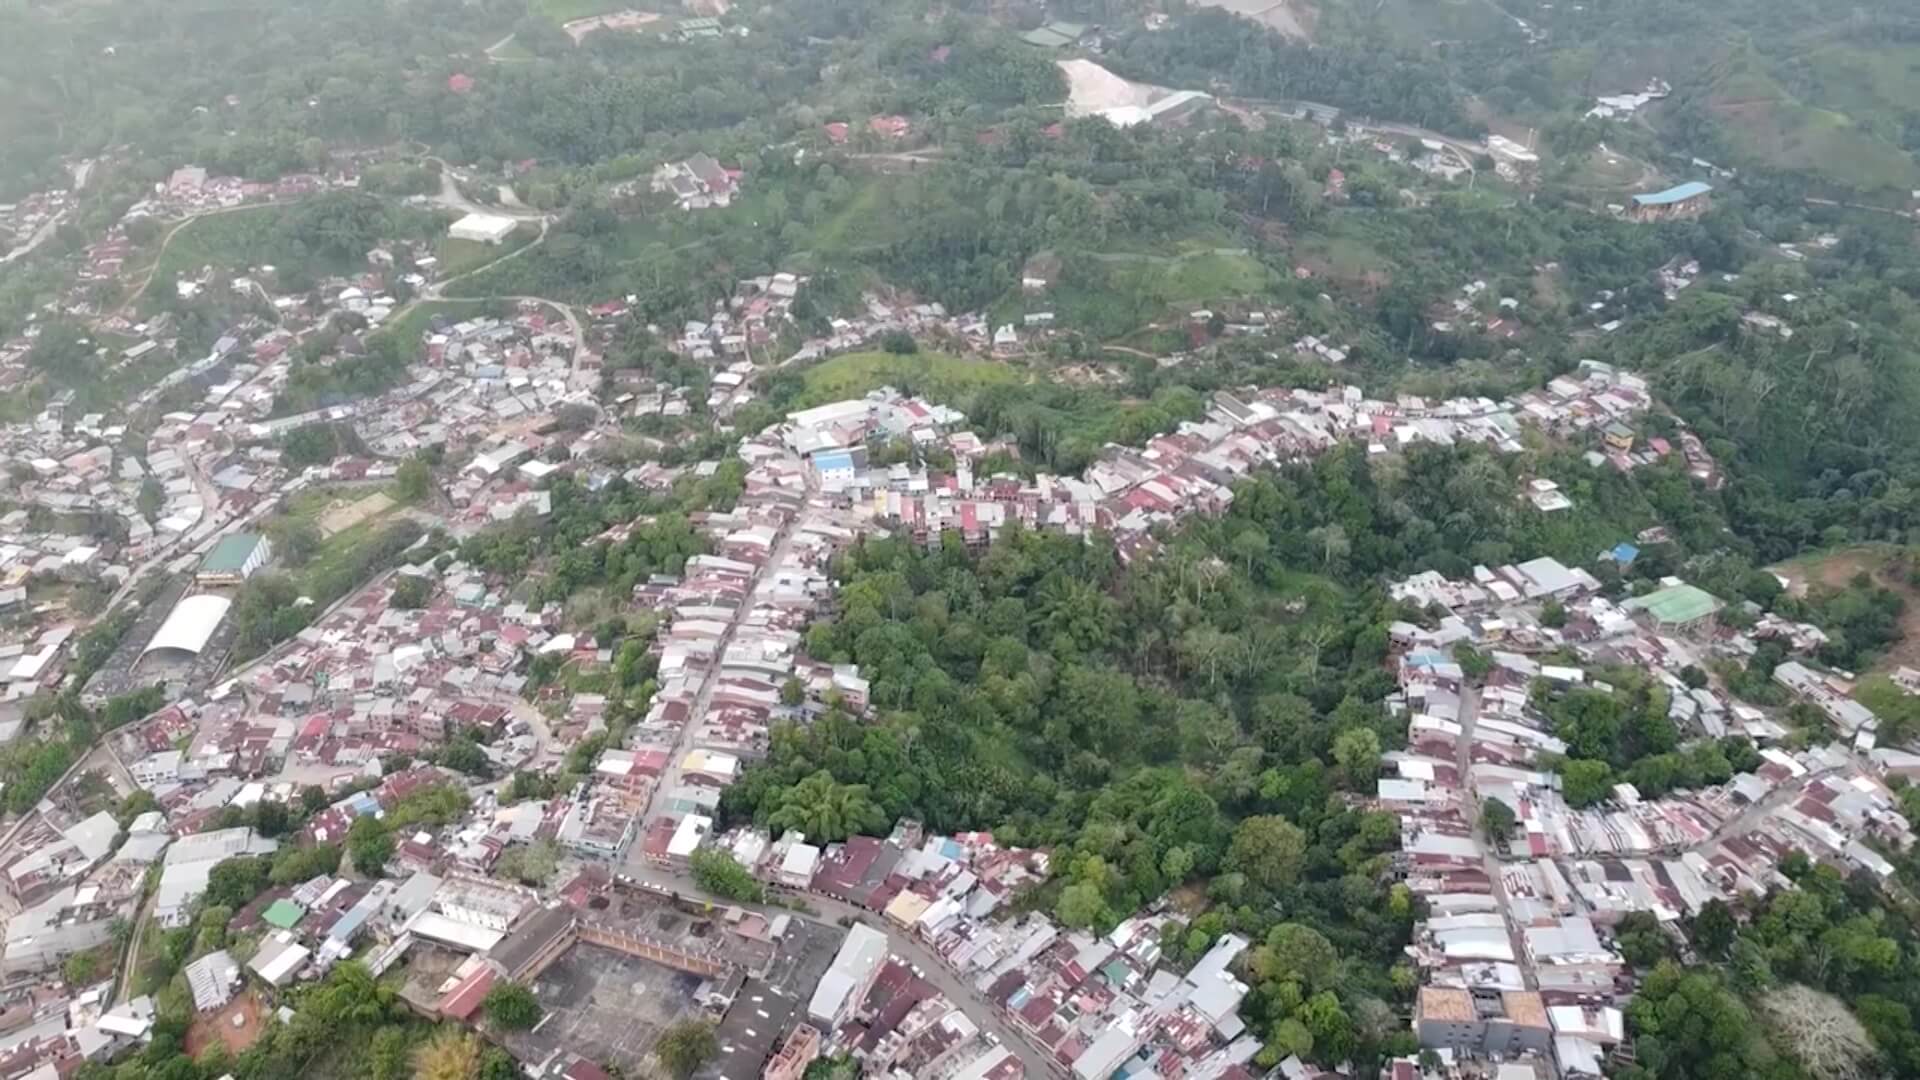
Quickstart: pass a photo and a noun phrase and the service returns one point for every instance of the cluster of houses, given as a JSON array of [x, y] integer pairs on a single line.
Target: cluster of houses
[[1128, 492], [1516, 954], [1091, 1006]]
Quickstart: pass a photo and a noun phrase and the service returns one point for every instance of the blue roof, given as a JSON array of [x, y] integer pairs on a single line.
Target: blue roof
[[1674, 194], [1624, 553], [841, 460], [349, 924]]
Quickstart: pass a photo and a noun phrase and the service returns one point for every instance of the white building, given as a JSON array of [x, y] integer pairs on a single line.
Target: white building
[[846, 982], [483, 228]]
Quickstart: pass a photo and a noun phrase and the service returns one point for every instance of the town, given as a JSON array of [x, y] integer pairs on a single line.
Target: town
[[758, 540]]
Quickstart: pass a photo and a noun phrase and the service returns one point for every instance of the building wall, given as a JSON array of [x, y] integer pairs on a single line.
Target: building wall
[[1470, 1035]]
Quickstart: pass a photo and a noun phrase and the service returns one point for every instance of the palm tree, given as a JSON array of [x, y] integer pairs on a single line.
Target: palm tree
[[826, 810]]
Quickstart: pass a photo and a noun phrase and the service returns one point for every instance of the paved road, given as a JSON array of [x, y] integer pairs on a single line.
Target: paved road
[[1747, 820], [1463, 760], [903, 945], [670, 779]]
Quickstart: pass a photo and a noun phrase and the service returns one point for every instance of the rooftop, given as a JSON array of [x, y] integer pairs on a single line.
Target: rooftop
[[1676, 604], [1681, 193], [229, 556]]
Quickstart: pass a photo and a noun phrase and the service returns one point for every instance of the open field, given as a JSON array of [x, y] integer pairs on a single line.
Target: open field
[[566, 11], [1834, 569], [414, 322], [939, 376], [459, 256]]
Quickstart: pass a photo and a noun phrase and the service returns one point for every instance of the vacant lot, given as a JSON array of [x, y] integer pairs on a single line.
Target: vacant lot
[[1834, 569], [938, 376], [566, 11], [237, 1025], [605, 1006], [343, 515]]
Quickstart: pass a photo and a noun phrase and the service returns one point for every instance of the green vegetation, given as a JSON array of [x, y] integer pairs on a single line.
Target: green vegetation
[[716, 872], [511, 1007], [685, 1046], [937, 376], [459, 257], [564, 11], [303, 240]]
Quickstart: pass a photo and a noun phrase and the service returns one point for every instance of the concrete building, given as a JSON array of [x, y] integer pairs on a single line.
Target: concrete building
[[483, 228], [1504, 1022], [846, 982]]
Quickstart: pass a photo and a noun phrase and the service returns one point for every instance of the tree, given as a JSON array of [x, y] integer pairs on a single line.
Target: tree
[[511, 1007], [235, 882], [451, 1054], [1497, 819], [827, 810], [371, 845], [1080, 906], [685, 1046], [1298, 953], [1553, 613], [1584, 782], [1821, 1031], [1357, 752], [717, 872], [792, 693], [1269, 850], [1714, 928], [151, 499], [412, 591], [530, 864], [413, 481]]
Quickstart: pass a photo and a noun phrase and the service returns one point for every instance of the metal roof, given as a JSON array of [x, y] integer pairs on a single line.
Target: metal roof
[[1676, 604], [230, 555], [1672, 195], [190, 625]]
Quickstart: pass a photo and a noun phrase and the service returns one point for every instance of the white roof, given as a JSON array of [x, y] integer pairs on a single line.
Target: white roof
[[190, 624], [687, 835], [463, 935]]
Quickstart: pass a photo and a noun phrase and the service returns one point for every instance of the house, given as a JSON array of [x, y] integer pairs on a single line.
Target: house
[[698, 183], [1689, 200], [1482, 1021], [1618, 436]]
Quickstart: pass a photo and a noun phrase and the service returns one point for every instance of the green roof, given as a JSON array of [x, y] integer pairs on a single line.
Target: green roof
[[1055, 35], [229, 556], [282, 914], [1676, 604]]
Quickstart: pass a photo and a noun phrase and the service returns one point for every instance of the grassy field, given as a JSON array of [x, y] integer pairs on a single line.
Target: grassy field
[[230, 240], [460, 256], [337, 553], [1763, 118], [408, 327], [565, 11], [938, 376]]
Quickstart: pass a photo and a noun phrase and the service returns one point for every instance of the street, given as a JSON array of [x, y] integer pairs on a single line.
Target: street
[[1463, 760], [696, 715]]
